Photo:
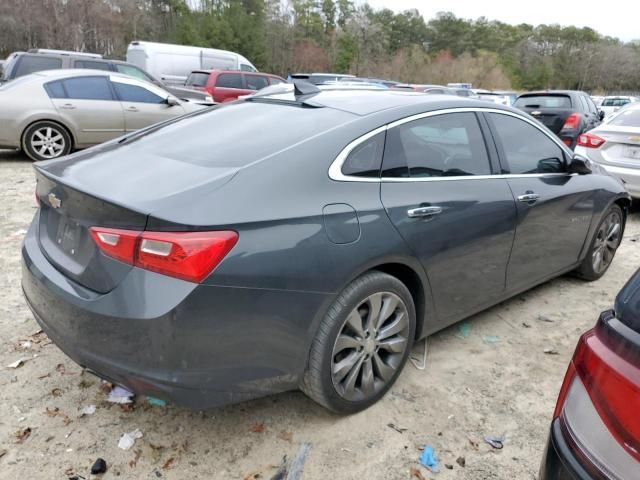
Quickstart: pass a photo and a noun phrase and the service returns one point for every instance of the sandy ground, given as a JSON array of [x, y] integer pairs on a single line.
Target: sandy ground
[[469, 389]]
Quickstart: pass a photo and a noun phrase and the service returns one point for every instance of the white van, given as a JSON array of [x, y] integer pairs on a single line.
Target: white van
[[173, 63]]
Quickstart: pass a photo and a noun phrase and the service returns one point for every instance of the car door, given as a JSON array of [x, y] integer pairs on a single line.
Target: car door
[[256, 81], [228, 87], [88, 106], [555, 208], [143, 104], [439, 191]]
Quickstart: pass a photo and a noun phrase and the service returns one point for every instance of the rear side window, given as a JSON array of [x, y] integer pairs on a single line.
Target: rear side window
[[256, 82], [439, 146], [34, 63], [88, 88], [55, 89], [585, 105], [197, 79], [92, 64], [366, 158], [544, 101], [229, 80], [526, 148], [135, 93]]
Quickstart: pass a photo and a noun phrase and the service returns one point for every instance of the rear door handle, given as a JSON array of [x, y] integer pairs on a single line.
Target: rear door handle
[[68, 106], [529, 198], [424, 212]]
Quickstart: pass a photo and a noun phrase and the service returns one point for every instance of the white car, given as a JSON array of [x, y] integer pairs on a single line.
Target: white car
[[612, 104], [615, 145]]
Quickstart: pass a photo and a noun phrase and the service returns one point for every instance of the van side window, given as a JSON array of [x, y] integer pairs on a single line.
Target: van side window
[[229, 80], [35, 63], [92, 64]]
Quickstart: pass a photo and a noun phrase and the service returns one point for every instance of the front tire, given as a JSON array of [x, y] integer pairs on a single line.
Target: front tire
[[603, 246], [362, 344], [46, 140]]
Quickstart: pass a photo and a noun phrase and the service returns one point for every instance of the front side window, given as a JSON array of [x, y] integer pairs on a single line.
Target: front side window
[[439, 146], [256, 82], [35, 63], [88, 88], [229, 80], [133, 93], [365, 159], [246, 68], [526, 148]]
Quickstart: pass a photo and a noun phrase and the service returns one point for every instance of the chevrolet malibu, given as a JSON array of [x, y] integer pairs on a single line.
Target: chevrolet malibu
[[304, 239]]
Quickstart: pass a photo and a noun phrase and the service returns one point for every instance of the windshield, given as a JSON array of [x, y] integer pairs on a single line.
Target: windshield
[[544, 101]]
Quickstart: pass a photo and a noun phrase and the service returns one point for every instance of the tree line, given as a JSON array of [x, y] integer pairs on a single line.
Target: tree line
[[335, 35]]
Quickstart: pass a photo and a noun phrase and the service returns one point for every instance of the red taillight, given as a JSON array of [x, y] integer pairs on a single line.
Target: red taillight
[[567, 142], [589, 140], [190, 256], [572, 121]]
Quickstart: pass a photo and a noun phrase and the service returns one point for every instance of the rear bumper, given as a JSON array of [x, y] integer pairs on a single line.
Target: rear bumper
[[630, 177], [194, 345], [558, 463]]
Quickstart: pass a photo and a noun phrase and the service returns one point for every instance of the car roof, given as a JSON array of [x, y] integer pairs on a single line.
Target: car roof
[[80, 72], [551, 92], [203, 70]]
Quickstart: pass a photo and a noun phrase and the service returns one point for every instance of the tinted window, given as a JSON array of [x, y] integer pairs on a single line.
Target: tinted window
[[585, 105], [197, 79], [438, 146], [627, 118], [256, 82], [31, 63], [92, 64], [133, 72], [276, 81], [88, 88], [615, 102], [591, 105], [229, 80], [134, 93], [527, 149], [365, 159], [544, 101], [247, 68], [55, 89]]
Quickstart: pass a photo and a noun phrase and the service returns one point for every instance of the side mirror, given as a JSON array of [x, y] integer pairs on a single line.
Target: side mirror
[[600, 114], [172, 101], [580, 165]]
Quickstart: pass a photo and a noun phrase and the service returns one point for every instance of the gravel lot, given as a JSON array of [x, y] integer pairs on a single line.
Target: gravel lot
[[469, 389]]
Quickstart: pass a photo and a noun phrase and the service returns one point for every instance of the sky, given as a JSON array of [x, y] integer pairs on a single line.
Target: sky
[[616, 18]]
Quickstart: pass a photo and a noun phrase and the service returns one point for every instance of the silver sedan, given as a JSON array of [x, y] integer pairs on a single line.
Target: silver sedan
[[48, 114], [615, 145]]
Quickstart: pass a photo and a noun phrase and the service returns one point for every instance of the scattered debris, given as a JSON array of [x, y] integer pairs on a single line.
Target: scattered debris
[[474, 444], [286, 436], [167, 465], [464, 330], [550, 351], [429, 459], [544, 318], [3, 452], [461, 461], [414, 472], [490, 339], [46, 375], [137, 454], [128, 440], [22, 435], [448, 466], [56, 392], [526, 325], [252, 476], [258, 428], [120, 395], [281, 473], [17, 363], [88, 410], [14, 379], [397, 429], [297, 465], [156, 402], [55, 412], [99, 466], [496, 442]]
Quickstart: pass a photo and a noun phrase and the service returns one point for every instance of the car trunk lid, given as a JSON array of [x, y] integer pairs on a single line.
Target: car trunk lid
[[551, 110], [621, 147]]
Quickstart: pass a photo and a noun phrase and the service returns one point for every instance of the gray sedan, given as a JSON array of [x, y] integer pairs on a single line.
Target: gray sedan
[[615, 145], [48, 114], [304, 239]]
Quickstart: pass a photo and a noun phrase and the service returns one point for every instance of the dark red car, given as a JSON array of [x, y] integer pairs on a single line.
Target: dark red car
[[595, 433], [225, 85]]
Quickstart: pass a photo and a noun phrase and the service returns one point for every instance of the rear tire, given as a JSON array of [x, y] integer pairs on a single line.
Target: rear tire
[[362, 344], [604, 245], [46, 140]]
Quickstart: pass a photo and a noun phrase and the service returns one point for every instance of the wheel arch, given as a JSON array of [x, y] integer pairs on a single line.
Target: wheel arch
[[56, 121]]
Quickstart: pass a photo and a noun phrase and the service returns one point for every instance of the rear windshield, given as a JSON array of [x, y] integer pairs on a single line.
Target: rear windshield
[[27, 64], [236, 134], [197, 80], [615, 102], [627, 118], [544, 101]]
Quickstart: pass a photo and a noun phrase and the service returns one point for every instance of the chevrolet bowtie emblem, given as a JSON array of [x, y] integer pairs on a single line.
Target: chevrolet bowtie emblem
[[54, 201]]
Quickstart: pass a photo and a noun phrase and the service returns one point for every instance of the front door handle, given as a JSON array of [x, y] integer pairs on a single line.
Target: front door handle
[[529, 198], [132, 109], [424, 212], [68, 106]]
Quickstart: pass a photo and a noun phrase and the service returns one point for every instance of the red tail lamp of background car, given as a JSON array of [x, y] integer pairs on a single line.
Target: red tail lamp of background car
[[191, 256], [590, 140], [598, 407]]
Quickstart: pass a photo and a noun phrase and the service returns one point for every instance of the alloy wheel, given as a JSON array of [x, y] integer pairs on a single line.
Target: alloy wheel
[[370, 346], [606, 242], [47, 142]]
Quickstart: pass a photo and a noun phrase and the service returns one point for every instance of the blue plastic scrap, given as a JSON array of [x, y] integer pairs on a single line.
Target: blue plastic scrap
[[428, 459], [156, 402], [495, 441]]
